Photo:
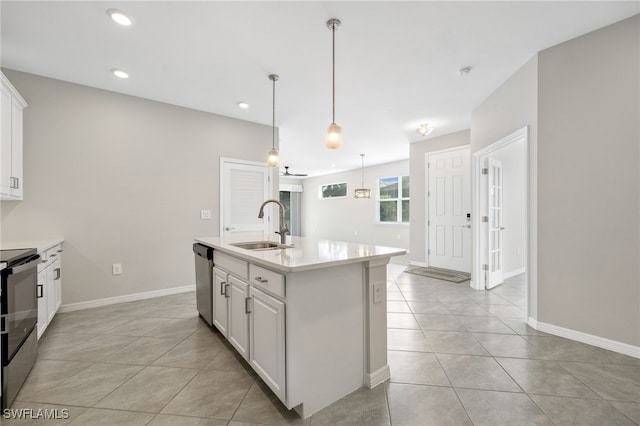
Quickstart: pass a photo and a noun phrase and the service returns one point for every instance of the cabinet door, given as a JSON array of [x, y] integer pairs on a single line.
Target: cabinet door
[[43, 316], [16, 148], [238, 316], [220, 292], [5, 142], [57, 284], [50, 289], [266, 343]]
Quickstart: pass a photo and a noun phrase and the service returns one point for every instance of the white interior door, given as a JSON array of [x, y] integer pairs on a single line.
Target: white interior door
[[245, 186], [449, 207], [495, 228]]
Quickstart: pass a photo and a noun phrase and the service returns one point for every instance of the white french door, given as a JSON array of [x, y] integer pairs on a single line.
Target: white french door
[[245, 186], [494, 215], [449, 207]]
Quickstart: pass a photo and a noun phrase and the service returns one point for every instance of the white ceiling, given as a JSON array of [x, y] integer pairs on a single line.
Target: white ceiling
[[396, 62]]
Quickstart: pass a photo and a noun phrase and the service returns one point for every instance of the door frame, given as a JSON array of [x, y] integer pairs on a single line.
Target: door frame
[[426, 203], [273, 185], [530, 246]]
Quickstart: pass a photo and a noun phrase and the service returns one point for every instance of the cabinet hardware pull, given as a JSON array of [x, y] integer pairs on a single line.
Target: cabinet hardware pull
[[41, 288], [246, 305], [226, 293], [60, 251], [17, 183], [222, 284], [57, 271], [53, 255], [261, 280]]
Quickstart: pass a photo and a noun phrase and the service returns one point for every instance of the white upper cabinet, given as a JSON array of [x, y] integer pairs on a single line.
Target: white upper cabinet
[[11, 108]]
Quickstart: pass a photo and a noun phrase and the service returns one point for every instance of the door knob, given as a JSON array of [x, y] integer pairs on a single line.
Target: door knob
[[229, 228]]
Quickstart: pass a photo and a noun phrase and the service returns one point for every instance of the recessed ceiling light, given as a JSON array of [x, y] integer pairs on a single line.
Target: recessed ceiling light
[[243, 105], [120, 17], [119, 73]]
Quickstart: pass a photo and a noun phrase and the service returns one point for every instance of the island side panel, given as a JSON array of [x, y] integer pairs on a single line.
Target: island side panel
[[325, 336], [377, 369]]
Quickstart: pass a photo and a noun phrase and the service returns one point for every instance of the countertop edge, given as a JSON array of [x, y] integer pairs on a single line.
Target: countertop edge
[[40, 245], [283, 268]]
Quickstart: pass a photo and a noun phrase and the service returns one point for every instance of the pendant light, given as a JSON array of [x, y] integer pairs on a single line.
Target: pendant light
[[362, 192], [274, 158], [334, 132]]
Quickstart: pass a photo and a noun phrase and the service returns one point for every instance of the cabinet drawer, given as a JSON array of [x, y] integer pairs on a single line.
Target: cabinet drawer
[[230, 264], [271, 281]]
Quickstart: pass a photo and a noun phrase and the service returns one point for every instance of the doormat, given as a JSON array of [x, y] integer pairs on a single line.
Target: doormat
[[441, 274]]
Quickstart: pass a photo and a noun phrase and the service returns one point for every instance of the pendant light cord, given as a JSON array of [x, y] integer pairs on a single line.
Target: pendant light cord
[[362, 155], [273, 122], [333, 120]]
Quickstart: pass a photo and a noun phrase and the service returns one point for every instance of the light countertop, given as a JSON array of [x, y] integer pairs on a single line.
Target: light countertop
[[306, 253], [41, 245], [3, 265]]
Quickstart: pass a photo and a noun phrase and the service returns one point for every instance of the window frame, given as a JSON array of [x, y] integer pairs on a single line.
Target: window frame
[[399, 201]]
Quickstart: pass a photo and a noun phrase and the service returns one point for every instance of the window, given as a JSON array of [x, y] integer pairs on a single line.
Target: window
[[393, 199], [333, 190]]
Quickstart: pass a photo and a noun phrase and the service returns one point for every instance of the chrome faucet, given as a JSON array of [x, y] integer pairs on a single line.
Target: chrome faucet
[[283, 224]]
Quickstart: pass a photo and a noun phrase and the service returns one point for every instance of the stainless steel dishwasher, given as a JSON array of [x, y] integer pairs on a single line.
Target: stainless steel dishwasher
[[204, 281]]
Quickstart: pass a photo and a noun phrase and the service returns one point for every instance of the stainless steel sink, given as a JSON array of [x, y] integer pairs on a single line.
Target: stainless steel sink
[[260, 245]]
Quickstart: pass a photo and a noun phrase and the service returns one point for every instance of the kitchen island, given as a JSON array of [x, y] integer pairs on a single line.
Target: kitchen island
[[310, 318]]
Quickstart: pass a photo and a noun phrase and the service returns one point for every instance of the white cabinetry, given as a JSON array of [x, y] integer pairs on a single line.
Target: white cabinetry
[[220, 310], [267, 340], [252, 320], [49, 286], [11, 106]]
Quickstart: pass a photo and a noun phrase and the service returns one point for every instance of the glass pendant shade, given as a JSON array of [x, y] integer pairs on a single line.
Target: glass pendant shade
[[362, 193], [334, 136], [274, 158]]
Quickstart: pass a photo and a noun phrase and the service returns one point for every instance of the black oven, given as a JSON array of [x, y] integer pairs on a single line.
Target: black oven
[[18, 319]]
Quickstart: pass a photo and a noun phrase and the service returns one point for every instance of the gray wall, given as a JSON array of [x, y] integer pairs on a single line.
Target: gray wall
[[513, 106], [589, 183], [418, 192], [350, 219], [123, 180]]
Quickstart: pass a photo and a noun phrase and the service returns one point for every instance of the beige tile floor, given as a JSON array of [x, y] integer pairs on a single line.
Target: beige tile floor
[[457, 357]]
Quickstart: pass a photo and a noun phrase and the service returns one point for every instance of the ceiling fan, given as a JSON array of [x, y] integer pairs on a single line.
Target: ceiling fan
[[286, 172]]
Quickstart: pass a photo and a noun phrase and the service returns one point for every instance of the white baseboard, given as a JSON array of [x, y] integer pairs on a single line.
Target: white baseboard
[[590, 339], [126, 298], [416, 263], [378, 377], [513, 273]]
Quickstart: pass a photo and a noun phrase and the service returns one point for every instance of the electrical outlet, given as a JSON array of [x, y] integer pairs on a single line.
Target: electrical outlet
[[377, 292], [116, 268], [205, 214]]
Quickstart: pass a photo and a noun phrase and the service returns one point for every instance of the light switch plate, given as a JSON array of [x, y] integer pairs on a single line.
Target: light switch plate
[[116, 268], [205, 214]]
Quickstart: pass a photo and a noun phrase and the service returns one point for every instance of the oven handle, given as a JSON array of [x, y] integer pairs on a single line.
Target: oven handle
[[21, 268]]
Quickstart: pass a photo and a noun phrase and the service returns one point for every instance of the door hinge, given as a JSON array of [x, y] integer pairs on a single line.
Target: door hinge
[[428, 223], [428, 251], [485, 267], [485, 171], [485, 219], [428, 193], [428, 165]]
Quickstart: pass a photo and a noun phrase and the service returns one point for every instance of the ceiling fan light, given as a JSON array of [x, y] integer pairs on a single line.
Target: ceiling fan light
[[424, 129], [334, 136], [274, 158]]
